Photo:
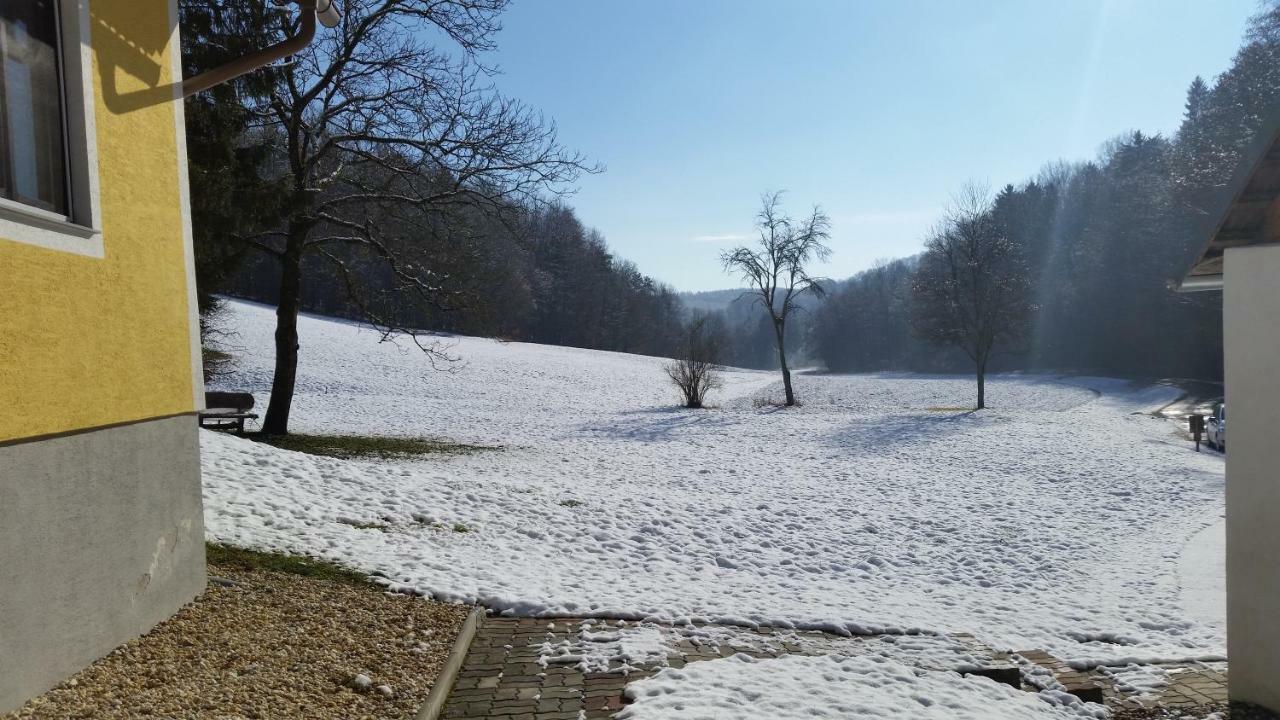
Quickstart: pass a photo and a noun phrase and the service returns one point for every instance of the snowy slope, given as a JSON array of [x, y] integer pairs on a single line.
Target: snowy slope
[[1055, 519]]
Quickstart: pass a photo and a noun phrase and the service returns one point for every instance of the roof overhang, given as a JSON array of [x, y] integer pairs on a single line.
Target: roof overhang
[[1247, 212]]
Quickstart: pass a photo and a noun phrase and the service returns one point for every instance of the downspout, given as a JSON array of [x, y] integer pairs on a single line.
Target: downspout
[[325, 10]]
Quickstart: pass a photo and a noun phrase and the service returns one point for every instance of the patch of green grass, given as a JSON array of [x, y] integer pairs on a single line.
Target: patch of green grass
[[247, 560], [456, 527], [348, 447], [363, 525], [948, 409], [571, 503]]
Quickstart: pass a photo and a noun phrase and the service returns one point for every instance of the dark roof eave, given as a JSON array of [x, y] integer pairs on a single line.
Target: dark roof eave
[[1206, 272]]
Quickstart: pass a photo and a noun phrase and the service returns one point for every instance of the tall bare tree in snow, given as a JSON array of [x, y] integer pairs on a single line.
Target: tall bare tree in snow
[[776, 271], [388, 130], [972, 288]]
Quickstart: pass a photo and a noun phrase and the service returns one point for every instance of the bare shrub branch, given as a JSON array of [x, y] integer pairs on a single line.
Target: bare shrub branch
[[697, 371]]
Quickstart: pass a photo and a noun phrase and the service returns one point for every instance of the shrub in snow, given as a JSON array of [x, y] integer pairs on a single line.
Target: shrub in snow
[[695, 372]]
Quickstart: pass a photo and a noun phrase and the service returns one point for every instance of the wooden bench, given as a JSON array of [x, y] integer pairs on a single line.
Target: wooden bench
[[227, 411]]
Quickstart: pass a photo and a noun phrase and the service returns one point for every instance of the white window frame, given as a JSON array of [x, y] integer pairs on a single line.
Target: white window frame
[[80, 232]]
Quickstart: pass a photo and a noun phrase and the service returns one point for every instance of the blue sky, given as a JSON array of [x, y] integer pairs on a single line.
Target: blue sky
[[878, 111]]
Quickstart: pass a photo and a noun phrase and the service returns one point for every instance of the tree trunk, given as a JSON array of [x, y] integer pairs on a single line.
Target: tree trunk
[[780, 330], [982, 383], [276, 421]]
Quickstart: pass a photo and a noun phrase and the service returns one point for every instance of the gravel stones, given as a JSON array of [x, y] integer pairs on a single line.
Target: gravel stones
[[270, 645]]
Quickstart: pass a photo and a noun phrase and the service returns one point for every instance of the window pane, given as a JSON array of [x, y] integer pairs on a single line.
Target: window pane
[[30, 105]]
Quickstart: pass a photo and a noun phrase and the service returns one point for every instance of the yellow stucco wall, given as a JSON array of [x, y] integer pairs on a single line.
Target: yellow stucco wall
[[86, 342]]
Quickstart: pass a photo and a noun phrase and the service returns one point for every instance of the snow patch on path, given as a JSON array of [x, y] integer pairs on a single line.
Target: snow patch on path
[[617, 646], [602, 648], [800, 688]]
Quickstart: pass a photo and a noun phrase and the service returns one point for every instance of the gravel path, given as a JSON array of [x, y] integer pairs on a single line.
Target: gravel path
[[271, 646]]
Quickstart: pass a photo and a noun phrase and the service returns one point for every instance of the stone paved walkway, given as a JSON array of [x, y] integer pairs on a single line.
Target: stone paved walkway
[[525, 669], [539, 669], [1182, 686]]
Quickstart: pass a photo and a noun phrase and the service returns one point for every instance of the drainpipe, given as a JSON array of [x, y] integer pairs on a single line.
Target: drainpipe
[[324, 10]]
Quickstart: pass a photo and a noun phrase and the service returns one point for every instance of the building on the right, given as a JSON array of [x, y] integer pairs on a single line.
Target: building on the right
[[1241, 258]]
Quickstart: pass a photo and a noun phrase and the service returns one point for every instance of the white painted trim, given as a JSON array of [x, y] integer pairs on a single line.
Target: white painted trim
[[184, 200], [22, 212], [81, 233]]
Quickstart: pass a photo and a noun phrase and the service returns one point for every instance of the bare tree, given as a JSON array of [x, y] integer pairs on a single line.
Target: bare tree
[[383, 140], [775, 270], [972, 288], [695, 372]]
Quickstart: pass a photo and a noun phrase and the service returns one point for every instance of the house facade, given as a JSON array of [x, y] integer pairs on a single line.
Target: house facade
[[101, 532], [1242, 259]]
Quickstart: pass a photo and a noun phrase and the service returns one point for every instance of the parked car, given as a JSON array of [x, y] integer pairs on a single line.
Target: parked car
[[1215, 428]]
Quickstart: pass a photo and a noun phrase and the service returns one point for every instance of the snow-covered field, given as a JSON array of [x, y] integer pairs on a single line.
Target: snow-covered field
[[1056, 519]]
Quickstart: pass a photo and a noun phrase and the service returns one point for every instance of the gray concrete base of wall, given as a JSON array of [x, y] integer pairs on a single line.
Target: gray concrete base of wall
[[101, 537]]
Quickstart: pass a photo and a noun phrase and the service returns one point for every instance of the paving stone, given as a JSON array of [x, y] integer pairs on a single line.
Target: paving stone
[[561, 692]]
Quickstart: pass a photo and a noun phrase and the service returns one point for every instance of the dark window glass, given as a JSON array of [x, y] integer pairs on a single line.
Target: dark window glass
[[33, 170]]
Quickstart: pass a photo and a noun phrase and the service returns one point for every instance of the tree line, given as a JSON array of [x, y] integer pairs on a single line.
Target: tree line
[[544, 277], [1101, 242]]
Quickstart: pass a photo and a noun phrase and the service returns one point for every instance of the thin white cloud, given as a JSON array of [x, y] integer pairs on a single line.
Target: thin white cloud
[[726, 238]]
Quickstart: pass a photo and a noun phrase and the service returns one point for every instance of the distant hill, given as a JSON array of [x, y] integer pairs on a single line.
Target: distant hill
[[710, 300]]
